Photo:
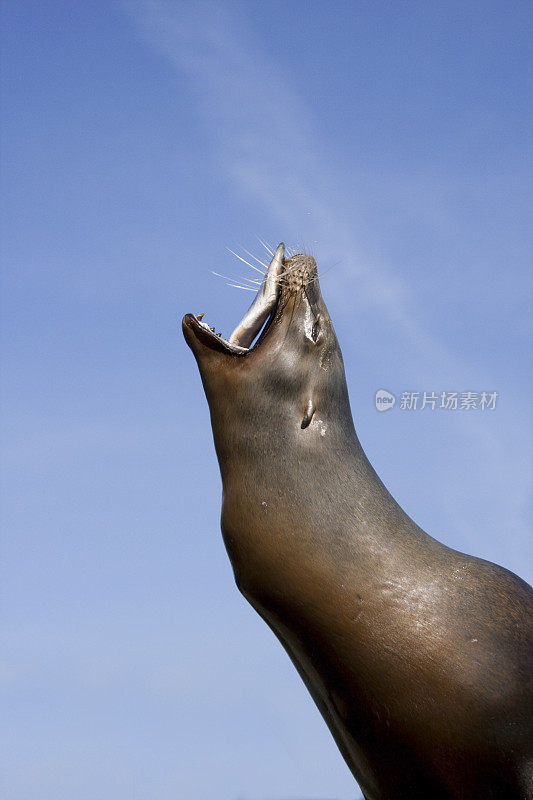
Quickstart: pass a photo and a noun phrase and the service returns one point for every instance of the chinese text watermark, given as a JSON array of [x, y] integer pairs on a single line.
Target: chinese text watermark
[[446, 401]]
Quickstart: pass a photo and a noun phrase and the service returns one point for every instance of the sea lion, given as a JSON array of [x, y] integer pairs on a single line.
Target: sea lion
[[419, 657]]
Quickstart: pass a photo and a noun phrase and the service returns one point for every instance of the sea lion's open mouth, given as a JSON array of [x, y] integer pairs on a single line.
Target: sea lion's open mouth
[[262, 308]]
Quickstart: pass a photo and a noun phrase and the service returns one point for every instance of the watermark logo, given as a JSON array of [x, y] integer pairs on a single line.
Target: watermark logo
[[445, 401], [384, 400]]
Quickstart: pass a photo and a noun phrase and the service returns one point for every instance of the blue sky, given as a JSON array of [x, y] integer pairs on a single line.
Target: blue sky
[[140, 140]]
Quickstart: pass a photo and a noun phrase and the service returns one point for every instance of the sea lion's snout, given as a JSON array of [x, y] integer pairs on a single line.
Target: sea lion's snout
[[299, 273]]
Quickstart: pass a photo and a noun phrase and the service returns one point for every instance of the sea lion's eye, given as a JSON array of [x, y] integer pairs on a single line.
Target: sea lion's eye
[[315, 331]]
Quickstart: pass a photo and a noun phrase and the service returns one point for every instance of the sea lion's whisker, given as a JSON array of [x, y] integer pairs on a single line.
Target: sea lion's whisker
[[244, 261], [290, 270], [229, 278], [267, 248], [246, 288], [325, 272], [256, 259]]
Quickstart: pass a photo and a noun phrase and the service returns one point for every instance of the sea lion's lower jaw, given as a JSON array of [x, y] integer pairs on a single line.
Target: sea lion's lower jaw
[[207, 336]]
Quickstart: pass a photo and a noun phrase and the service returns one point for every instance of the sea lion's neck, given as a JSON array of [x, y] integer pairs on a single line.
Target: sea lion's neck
[[309, 499]]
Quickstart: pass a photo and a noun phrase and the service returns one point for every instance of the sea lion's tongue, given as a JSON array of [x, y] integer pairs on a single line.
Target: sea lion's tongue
[[263, 304]]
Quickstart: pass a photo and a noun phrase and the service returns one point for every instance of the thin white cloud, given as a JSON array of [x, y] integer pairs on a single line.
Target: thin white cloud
[[266, 141]]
